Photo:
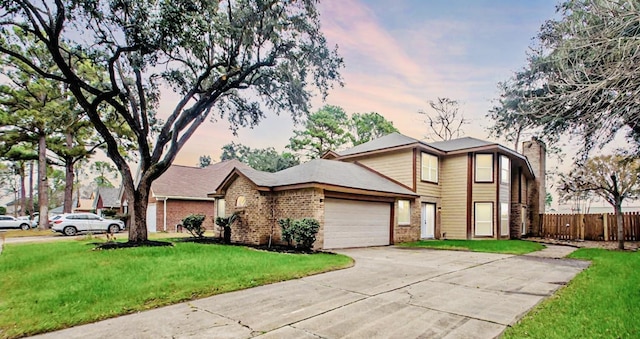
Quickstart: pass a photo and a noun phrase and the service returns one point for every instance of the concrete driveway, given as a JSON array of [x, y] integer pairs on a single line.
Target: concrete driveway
[[390, 292]]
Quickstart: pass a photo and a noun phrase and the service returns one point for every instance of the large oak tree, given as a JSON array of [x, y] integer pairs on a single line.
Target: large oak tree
[[236, 58], [583, 76]]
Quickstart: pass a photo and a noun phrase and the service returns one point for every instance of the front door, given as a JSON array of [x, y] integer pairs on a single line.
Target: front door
[[428, 228]]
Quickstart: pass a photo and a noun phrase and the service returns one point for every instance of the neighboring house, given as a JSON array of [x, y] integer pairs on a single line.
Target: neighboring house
[[82, 205], [106, 198], [181, 191], [14, 208], [395, 189]]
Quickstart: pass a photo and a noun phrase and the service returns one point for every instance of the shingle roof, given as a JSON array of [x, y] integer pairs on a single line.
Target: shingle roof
[[193, 182], [387, 141], [110, 196], [459, 144], [397, 139], [330, 172]]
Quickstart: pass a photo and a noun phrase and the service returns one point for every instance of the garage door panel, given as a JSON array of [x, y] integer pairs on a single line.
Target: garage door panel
[[350, 223]]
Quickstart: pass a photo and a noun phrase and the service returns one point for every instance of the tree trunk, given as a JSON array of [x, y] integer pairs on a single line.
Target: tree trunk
[[31, 211], [43, 183], [618, 209], [138, 201], [23, 189], [68, 185], [68, 177]]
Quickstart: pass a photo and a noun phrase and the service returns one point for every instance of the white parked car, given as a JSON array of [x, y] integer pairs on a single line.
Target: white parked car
[[7, 221], [73, 223]]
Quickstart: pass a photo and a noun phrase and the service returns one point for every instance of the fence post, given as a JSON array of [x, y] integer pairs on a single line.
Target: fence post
[[581, 232], [605, 226]]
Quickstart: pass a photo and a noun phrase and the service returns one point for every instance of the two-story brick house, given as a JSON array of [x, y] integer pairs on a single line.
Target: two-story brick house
[[460, 189]]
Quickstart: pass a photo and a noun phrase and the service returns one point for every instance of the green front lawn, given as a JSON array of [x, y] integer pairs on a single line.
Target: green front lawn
[[49, 286], [601, 302], [490, 246]]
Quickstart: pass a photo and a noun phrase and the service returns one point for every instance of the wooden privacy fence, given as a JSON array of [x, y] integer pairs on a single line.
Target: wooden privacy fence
[[589, 226]]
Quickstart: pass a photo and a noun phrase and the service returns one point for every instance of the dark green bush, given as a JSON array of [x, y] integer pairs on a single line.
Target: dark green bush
[[109, 213], [305, 231], [193, 224], [302, 231]]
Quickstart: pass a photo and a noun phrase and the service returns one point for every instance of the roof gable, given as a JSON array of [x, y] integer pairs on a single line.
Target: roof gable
[[388, 141], [460, 144], [109, 195]]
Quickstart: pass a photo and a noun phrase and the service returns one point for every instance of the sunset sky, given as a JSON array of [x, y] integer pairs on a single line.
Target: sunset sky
[[399, 55]]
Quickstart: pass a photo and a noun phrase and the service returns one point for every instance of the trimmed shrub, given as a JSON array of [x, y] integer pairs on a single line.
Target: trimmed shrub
[[302, 231], [193, 224], [305, 231]]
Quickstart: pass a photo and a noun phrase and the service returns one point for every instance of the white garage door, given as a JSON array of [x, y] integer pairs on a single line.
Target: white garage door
[[151, 218], [350, 223]]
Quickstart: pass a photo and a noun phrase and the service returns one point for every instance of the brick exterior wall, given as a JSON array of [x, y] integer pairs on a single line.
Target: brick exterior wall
[[406, 233], [298, 204], [179, 209], [258, 219], [515, 231]]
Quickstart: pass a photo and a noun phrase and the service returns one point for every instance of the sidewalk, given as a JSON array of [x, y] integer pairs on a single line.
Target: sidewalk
[[553, 252]]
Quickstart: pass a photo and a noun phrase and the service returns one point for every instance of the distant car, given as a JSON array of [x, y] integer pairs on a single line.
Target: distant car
[[73, 223], [7, 221]]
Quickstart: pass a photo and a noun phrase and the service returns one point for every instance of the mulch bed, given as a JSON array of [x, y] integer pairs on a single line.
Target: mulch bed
[[112, 245], [204, 240]]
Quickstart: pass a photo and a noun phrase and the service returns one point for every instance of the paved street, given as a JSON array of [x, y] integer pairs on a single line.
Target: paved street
[[390, 292]]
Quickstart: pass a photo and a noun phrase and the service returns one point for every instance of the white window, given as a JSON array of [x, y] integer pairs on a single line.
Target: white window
[[241, 201], [429, 170], [505, 173], [484, 167], [221, 207], [484, 218], [404, 212], [504, 218]]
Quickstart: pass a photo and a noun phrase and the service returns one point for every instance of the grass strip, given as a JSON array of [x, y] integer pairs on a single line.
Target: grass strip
[[489, 246]]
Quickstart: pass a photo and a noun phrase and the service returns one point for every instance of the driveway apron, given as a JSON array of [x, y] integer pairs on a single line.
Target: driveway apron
[[390, 292]]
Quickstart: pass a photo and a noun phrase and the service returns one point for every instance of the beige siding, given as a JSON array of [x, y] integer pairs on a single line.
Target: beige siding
[[453, 180], [428, 189], [397, 165]]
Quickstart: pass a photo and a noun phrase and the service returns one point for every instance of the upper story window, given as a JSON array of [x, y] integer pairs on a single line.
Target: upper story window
[[484, 167], [241, 201], [505, 169], [404, 212], [429, 170]]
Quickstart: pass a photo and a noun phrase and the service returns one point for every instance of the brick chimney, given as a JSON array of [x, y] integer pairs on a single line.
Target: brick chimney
[[536, 152]]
